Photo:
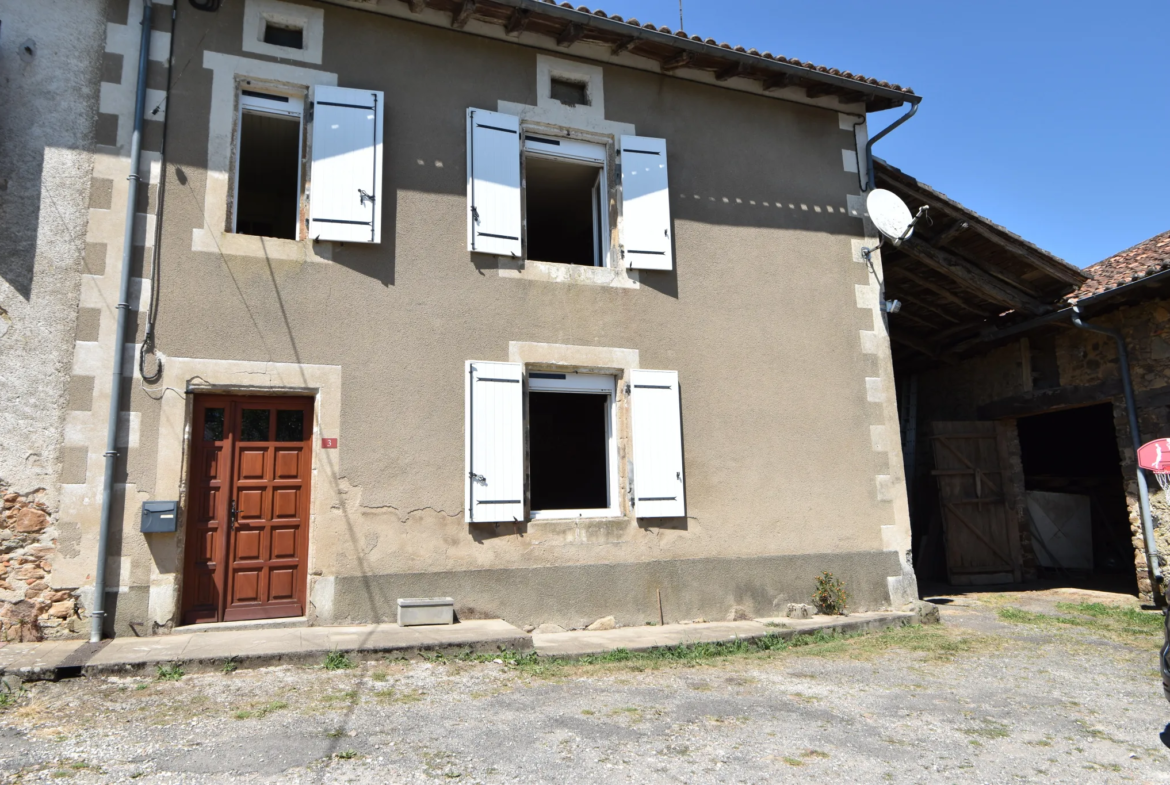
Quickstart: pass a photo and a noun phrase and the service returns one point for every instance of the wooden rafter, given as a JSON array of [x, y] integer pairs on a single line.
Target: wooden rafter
[[1051, 267], [777, 82], [851, 97], [730, 72], [902, 272], [570, 35], [461, 17], [680, 60], [624, 45], [953, 231], [819, 90], [967, 274], [926, 307], [517, 22], [915, 343]]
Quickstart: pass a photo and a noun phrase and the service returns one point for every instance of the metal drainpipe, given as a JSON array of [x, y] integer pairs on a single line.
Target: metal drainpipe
[[98, 612], [1152, 559], [869, 145]]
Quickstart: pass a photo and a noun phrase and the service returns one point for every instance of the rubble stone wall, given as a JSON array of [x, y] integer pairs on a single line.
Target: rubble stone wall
[[31, 608], [1083, 359]]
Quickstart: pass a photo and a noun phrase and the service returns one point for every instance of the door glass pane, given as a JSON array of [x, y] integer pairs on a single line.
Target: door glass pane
[[290, 425], [254, 425], [213, 425]]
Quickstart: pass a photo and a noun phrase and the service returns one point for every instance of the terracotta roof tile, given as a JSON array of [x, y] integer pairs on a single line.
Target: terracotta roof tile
[[709, 41], [1132, 264]]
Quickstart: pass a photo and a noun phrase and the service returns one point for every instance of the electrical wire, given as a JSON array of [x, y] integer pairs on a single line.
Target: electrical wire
[[148, 342]]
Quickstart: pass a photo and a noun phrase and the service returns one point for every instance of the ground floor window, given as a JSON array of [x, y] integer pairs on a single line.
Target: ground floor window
[[570, 437]]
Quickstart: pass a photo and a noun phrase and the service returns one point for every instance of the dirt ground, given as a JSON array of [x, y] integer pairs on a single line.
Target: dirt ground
[[1054, 686]]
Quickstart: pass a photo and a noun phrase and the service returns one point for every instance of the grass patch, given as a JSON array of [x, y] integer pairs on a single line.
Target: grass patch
[[172, 671], [1110, 620], [230, 665], [346, 754], [337, 661], [990, 729], [261, 711], [934, 643]]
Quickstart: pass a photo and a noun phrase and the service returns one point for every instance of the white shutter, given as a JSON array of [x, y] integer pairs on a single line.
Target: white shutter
[[493, 183], [345, 190], [658, 457], [495, 442], [645, 227]]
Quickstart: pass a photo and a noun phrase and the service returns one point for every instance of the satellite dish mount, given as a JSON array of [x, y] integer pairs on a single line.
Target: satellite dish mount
[[891, 217]]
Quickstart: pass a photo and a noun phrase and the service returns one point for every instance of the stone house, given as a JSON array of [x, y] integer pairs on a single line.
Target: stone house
[[1017, 442], [545, 310]]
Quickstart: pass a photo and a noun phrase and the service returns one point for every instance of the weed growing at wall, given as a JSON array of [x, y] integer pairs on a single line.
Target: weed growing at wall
[[337, 661], [172, 671], [829, 596]]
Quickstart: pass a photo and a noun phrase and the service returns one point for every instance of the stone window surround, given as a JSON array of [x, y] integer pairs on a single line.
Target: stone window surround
[[565, 358], [182, 378], [257, 13], [213, 236], [588, 124]]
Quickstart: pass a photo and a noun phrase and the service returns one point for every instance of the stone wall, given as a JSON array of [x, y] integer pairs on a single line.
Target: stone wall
[[1080, 359], [31, 608]]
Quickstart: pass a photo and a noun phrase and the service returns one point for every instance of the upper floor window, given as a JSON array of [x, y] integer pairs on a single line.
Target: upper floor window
[[339, 199], [566, 192]]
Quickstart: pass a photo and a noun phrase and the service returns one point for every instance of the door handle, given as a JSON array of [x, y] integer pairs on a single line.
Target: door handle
[[232, 512]]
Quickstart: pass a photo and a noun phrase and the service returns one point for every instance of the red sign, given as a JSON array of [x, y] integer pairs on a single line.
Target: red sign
[[331, 444], [1155, 456]]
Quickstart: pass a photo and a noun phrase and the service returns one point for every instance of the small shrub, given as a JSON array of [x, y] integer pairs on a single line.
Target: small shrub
[[337, 661], [830, 597], [230, 665], [172, 671], [346, 754]]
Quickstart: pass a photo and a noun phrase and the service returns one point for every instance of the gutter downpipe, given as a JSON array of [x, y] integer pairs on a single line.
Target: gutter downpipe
[[869, 145], [1152, 557], [98, 612]]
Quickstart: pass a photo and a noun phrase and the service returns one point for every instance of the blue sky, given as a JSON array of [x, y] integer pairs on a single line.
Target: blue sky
[[1050, 117]]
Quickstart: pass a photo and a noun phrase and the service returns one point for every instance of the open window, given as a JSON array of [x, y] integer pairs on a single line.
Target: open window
[[559, 211], [571, 447], [268, 165], [346, 166], [565, 190], [571, 441]]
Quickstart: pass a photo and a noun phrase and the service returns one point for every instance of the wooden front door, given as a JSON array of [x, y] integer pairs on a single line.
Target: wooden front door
[[982, 542], [248, 508]]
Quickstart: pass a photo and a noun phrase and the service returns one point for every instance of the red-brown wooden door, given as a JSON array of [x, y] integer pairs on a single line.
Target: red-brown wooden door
[[248, 518]]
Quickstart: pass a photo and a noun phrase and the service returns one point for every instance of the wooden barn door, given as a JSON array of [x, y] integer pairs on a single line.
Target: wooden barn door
[[981, 536], [248, 516]]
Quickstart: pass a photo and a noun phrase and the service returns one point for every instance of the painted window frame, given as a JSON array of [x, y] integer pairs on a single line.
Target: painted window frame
[[249, 98], [589, 383], [573, 146]]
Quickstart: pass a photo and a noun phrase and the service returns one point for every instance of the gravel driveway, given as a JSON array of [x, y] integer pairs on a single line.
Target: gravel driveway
[[1037, 687]]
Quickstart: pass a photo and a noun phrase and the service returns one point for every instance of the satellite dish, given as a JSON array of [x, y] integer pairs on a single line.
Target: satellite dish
[[889, 214]]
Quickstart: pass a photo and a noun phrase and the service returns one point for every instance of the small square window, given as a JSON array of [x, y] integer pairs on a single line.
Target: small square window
[[568, 92], [286, 35]]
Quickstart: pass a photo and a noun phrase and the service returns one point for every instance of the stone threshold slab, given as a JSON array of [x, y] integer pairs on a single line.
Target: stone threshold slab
[[254, 648], [583, 642]]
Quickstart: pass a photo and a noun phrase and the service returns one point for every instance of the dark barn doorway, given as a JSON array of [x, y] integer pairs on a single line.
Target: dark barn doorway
[[1072, 475]]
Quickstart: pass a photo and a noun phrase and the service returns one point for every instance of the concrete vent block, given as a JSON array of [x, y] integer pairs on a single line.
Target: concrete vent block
[[798, 610], [417, 611]]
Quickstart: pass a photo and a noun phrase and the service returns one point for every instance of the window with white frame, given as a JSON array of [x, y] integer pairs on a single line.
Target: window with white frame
[[268, 164], [339, 201], [566, 207], [556, 206], [570, 433], [572, 453]]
